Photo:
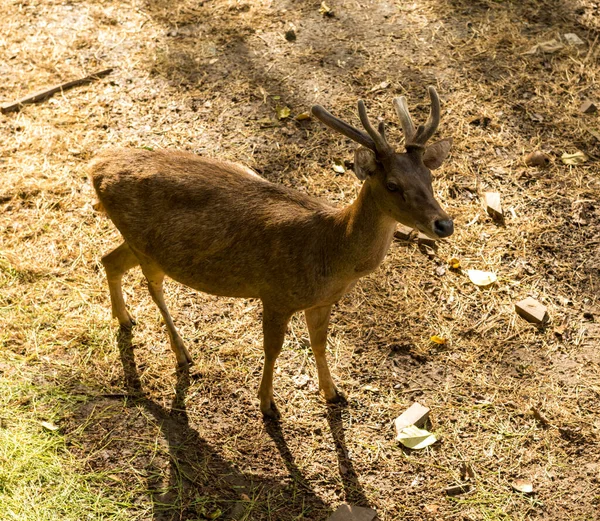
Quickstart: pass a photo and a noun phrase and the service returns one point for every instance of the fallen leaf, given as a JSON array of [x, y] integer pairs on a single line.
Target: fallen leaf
[[371, 388], [383, 85], [573, 39], [416, 415], [414, 438], [302, 116], [338, 166], [522, 485], [537, 158], [574, 159], [325, 10], [455, 490], [283, 112], [594, 132], [550, 46], [454, 263], [301, 381], [49, 426], [482, 278], [438, 339], [466, 472], [215, 514]]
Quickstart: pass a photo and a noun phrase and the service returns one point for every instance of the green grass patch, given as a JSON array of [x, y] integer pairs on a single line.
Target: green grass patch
[[40, 479]]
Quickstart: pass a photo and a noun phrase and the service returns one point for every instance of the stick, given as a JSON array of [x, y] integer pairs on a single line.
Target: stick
[[45, 94]]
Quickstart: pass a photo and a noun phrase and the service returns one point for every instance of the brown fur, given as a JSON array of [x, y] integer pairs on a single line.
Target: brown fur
[[220, 228]]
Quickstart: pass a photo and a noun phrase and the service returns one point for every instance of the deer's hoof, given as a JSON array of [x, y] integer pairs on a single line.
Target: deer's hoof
[[338, 398], [270, 412], [185, 364], [128, 325]]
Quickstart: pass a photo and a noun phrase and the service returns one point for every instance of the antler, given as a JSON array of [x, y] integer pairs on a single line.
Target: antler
[[378, 138], [373, 139], [421, 135]]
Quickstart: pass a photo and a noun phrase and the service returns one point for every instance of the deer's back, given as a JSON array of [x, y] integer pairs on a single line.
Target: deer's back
[[212, 225]]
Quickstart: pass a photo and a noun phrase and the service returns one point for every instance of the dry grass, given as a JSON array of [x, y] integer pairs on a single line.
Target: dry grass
[[208, 77]]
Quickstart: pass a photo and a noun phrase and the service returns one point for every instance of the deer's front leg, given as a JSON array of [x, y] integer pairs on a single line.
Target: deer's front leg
[[274, 327], [317, 320]]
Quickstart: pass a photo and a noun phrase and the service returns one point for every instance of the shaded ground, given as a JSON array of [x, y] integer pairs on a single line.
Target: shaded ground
[[208, 77]]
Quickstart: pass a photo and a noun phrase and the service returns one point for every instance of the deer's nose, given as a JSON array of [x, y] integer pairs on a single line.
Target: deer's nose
[[443, 227]]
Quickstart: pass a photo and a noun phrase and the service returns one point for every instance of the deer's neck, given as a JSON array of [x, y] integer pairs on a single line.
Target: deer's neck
[[366, 234]]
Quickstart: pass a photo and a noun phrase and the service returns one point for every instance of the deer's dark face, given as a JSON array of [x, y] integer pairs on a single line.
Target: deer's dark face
[[402, 186], [401, 183]]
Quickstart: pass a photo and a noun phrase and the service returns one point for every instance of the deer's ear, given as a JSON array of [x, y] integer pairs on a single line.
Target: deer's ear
[[435, 154], [364, 163]]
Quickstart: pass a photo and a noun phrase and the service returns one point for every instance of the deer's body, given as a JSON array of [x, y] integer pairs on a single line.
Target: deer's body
[[220, 228], [255, 239]]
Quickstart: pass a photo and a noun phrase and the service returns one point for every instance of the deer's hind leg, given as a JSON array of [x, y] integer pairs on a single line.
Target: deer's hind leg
[[116, 263], [155, 277]]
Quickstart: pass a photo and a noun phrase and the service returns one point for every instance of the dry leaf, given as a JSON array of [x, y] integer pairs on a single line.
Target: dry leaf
[[454, 263], [283, 112], [572, 39], [415, 438], [482, 278], [466, 472], [438, 339], [537, 158], [338, 166], [325, 10], [371, 388], [301, 381], [215, 514], [383, 85], [574, 159], [49, 426], [551, 46], [522, 485], [302, 116]]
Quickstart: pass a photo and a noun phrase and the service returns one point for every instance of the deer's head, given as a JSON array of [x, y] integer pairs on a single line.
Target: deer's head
[[401, 182]]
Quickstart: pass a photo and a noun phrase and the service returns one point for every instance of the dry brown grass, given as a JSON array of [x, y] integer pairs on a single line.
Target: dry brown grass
[[208, 77]]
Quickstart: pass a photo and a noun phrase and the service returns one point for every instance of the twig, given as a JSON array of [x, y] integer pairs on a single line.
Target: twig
[[46, 93]]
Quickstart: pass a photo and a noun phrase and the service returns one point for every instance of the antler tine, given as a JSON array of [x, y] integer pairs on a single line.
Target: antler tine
[[408, 127], [343, 128], [432, 121], [421, 135], [377, 137]]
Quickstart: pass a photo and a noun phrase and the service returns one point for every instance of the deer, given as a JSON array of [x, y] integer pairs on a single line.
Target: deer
[[219, 227]]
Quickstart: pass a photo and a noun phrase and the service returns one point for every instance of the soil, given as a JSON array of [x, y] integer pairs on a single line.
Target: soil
[[509, 399]]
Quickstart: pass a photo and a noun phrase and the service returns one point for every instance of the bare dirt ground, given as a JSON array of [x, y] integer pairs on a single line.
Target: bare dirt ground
[[510, 400]]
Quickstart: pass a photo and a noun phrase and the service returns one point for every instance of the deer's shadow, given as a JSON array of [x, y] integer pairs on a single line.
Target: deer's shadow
[[196, 469]]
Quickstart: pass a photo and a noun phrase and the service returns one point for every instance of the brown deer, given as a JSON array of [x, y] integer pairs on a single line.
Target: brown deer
[[220, 228]]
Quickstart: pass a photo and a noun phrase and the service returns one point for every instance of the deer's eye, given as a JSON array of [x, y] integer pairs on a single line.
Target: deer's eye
[[392, 187]]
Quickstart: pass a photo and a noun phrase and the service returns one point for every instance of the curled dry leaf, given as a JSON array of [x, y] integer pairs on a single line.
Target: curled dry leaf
[[49, 426], [439, 340], [414, 438], [302, 116], [325, 10], [537, 158], [522, 485], [338, 166], [574, 159], [454, 263], [283, 112], [482, 278]]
